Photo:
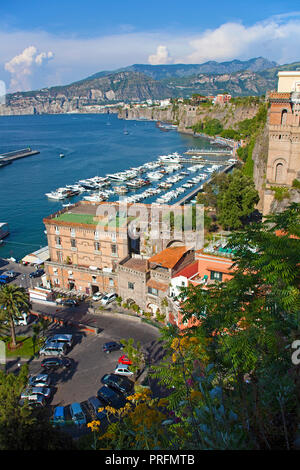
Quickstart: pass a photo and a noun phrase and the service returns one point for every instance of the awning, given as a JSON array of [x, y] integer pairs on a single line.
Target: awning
[[37, 257]]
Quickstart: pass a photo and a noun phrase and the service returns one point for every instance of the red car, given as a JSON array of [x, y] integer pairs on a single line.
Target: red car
[[124, 360]]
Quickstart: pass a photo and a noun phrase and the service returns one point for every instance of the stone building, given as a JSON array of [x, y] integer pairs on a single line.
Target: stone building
[[147, 281], [283, 165]]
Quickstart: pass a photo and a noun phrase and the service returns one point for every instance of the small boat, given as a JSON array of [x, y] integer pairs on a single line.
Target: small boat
[[4, 230], [121, 190], [61, 155]]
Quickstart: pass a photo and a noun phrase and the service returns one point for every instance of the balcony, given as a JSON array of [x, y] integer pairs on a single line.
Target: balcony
[[99, 272]]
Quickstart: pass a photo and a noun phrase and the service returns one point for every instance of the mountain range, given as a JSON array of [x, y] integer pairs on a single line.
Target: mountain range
[[140, 82]]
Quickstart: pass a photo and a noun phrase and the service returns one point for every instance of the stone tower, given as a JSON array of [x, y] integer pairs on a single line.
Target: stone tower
[[283, 164]]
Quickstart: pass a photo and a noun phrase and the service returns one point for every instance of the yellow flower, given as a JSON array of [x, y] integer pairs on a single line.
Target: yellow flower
[[94, 425]]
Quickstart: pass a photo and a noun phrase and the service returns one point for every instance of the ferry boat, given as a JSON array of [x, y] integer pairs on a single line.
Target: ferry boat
[[4, 230]]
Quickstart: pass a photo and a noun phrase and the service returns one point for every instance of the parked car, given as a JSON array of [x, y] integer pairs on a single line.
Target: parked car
[[61, 339], [95, 404], [111, 397], [32, 393], [107, 299], [10, 274], [77, 414], [56, 363], [99, 295], [124, 360], [123, 369], [4, 279], [37, 273], [111, 346], [59, 418], [29, 391], [53, 349], [119, 383], [40, 380], [70, 302], [34, 401], [23, 319], [60, 300]]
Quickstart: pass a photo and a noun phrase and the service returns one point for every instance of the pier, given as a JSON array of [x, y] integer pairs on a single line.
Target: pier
[[9, 157], [217, 153], [196, 190]]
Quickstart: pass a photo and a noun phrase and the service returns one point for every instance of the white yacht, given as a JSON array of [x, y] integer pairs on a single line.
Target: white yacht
[[155, 175]]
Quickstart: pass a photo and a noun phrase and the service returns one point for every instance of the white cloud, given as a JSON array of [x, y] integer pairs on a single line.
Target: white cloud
[[73, 58], [275, 38], [161, 56], [21, 67]]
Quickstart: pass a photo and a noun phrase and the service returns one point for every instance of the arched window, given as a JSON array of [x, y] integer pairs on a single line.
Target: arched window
[[283, 117], [279, 173]]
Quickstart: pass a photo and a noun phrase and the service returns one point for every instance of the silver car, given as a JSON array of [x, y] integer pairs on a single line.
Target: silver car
[[53, 349], [40, 380], [31, 393]]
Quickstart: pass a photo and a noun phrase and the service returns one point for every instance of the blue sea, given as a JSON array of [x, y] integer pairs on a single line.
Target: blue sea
[[92, 145]]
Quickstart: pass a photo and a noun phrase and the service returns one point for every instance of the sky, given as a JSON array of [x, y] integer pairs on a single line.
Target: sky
[[51, 43]]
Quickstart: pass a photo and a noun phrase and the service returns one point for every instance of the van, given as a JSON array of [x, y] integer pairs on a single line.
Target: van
[[53, 349]]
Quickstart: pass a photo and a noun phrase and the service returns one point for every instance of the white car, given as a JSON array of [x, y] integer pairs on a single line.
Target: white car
[[99, 295], [107, 299], [123, 369]]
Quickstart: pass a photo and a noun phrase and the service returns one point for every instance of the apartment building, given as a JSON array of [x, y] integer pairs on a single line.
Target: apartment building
[[86, 243]]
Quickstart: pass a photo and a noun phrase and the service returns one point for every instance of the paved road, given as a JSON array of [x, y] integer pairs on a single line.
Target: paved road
[[22, 279]]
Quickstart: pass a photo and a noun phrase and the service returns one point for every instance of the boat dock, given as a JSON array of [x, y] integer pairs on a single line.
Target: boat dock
[[217, 153], [9, 157], [196, 190]]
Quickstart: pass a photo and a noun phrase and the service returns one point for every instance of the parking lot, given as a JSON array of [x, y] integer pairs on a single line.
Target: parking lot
[[89, 363], [22, 278]]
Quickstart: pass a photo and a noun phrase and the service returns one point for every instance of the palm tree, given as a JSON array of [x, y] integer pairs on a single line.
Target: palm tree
[[13, 301]]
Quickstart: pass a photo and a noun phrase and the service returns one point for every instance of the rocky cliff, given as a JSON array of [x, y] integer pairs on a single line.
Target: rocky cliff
[[186, 115], [86, 95]]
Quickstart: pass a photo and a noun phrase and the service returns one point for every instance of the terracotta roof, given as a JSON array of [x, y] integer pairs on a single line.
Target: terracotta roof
[[157, 285], [169, 257], [136, 264], [188, 271]]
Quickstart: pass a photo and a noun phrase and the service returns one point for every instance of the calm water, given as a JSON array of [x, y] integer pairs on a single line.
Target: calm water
[[92, 144]]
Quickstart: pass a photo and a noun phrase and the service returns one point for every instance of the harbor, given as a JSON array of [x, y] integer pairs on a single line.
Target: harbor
[[100, 164], [173, 172]]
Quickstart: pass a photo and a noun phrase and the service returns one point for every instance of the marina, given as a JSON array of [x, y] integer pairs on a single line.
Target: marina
[[93, 151], [103, 188]]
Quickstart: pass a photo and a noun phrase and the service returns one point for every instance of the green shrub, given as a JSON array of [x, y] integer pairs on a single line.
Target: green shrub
[[296, 184], [281, 192]]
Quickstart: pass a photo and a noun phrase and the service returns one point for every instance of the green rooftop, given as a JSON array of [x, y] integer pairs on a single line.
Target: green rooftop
[[89, 219], [77, 218]]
